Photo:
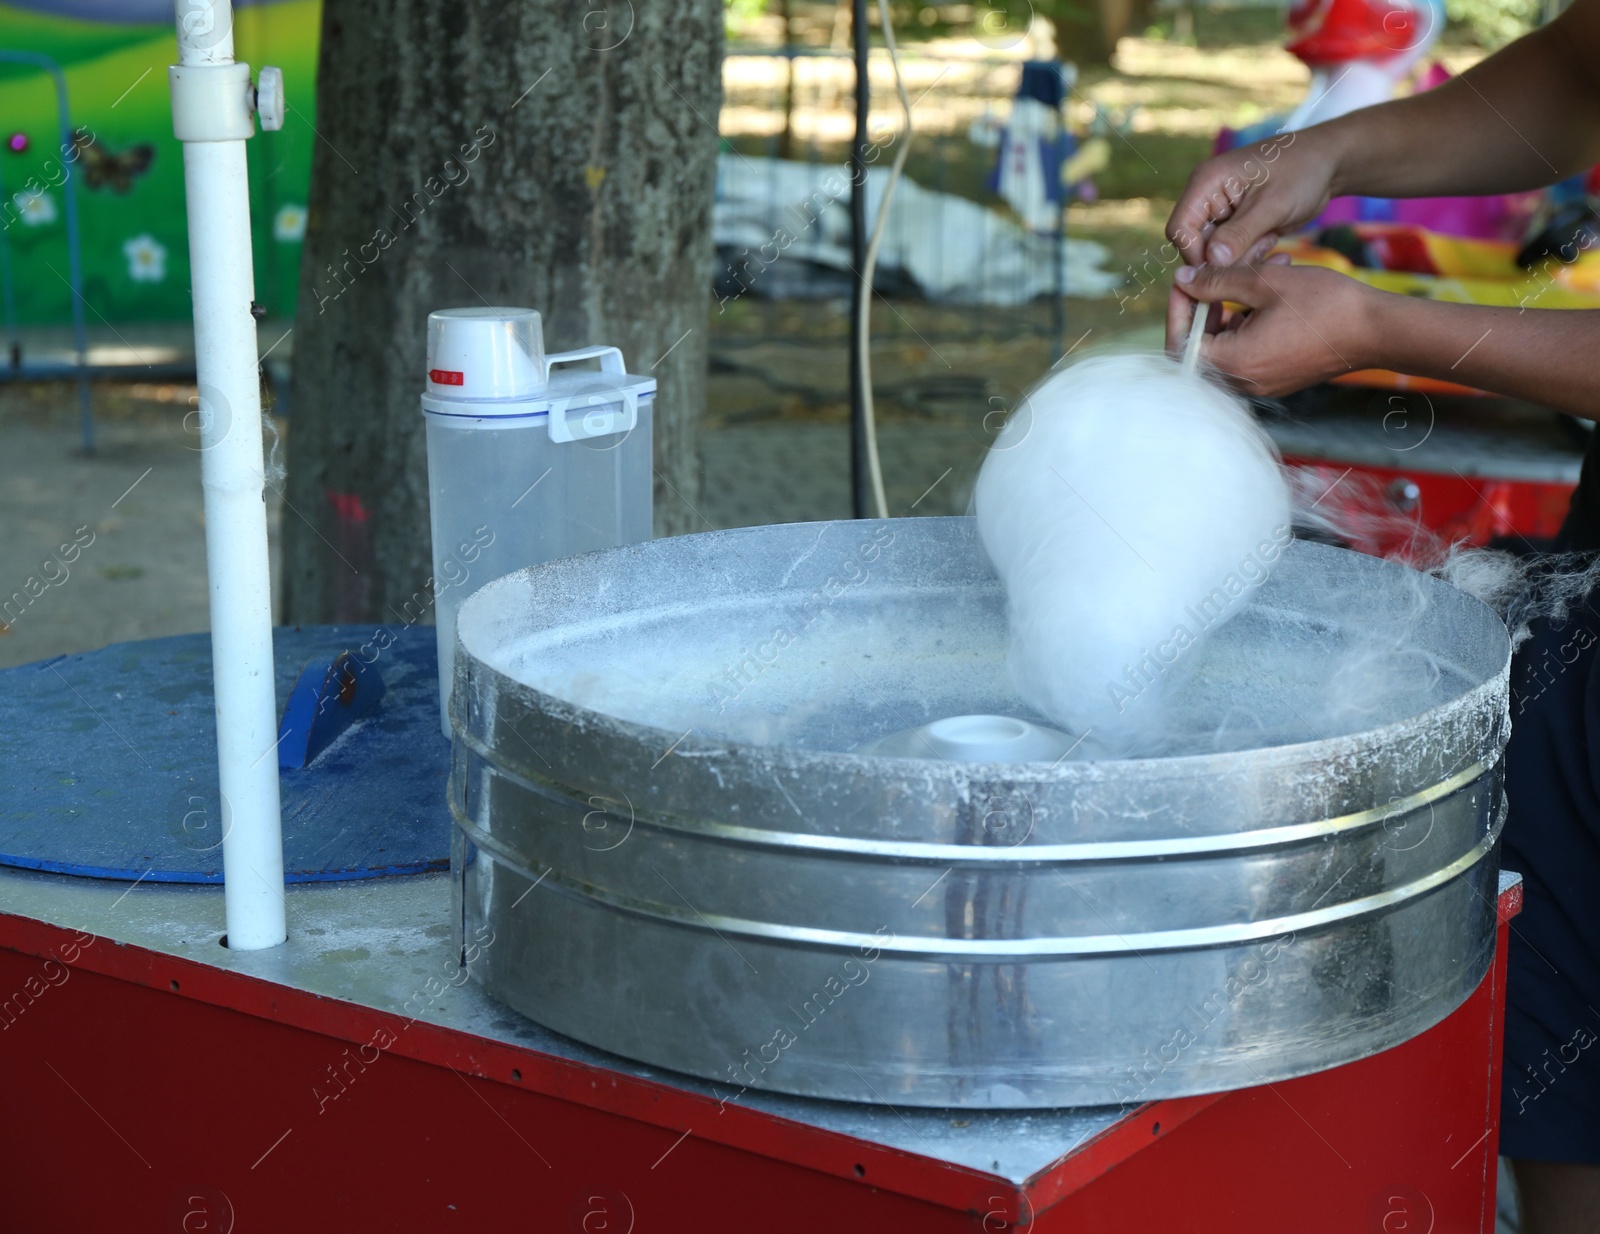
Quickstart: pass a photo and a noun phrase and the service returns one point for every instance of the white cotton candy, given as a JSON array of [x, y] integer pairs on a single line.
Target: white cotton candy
[[1129, 508]]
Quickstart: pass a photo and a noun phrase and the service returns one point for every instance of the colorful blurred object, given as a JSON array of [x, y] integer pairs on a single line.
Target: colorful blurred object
[[1417, 262], [128, 167], [1413, 261], [1359, 53], [1405, 514], [1522, 250], [1328, 32], [1035, 146]]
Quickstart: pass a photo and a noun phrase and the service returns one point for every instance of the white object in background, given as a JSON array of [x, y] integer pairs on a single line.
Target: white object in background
[[1023, 182], [1343, 88], [1041, 37], [957, 251], [211, 102], [529, 459]]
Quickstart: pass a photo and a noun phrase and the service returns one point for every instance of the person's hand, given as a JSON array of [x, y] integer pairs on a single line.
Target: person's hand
[[1237, 204], [1300, 324]]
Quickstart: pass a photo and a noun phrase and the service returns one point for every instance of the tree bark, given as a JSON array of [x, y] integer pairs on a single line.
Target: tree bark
[[1087, 31], [519, 152]]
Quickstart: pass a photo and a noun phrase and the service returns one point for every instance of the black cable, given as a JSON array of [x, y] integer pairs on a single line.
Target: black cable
[[860, 477]]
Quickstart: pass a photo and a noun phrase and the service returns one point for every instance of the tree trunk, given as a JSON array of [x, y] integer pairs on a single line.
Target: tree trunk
[[1120, 17], [786, 135], [519, 152], [1087, 31], [1080, 37]]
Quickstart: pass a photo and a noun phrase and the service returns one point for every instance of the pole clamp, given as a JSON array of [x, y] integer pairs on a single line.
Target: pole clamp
[[214, 102]]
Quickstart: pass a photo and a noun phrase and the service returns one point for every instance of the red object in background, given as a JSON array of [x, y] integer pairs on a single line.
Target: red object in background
[[1326, 32], [1455, 508], [1398, 248], [346, 507], [350, 537], [153, 1093]]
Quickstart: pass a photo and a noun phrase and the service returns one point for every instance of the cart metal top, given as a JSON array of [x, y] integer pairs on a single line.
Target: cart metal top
[[385, 945]]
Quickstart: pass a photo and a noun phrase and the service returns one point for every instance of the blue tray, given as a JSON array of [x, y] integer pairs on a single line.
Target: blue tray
[[109, 764]]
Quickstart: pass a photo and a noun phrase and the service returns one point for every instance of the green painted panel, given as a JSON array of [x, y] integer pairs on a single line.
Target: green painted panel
[[129, 168]]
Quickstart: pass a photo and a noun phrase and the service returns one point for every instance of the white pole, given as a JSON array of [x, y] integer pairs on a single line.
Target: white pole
[[212, 101]]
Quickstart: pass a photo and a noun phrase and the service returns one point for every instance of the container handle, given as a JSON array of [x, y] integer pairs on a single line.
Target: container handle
[[618, 412], [601, 417], [610, 359]]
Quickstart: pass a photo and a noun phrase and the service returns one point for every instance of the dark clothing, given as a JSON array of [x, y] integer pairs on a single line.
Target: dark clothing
[[1581, 531], [1550, 1107], [1550, 1103]]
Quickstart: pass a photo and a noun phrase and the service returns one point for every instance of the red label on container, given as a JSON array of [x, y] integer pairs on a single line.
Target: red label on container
[[444, 377]]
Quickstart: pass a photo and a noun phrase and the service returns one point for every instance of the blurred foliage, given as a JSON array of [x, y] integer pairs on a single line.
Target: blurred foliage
[[1080, 23], [1216, 27], [1000, 24], [736, 13], [1494, 22]]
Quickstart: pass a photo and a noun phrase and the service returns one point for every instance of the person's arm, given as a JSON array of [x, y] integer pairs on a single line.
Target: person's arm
[[1527, 116], [1307, 324]]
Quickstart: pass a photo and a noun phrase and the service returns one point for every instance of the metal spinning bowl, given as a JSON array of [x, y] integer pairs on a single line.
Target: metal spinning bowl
[[671, 847]]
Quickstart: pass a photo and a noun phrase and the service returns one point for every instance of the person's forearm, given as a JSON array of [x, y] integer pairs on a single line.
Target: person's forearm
[[1548, 356], [1525, 117]]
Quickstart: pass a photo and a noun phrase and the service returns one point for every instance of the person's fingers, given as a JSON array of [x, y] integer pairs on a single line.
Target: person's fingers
[[1216, 218], [1241, 284], [1260, 250], [1189, 241], [1278, 259], [1180, 229], [1235, 238], [1181, 309], [1211, 195], [1229, 355]]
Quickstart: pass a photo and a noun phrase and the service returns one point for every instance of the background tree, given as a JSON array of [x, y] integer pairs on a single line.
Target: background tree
[[522, 152], [1087, 31]]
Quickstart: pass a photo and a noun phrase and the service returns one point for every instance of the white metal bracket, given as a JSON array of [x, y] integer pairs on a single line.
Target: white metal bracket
[[218, 102], [212, 102]]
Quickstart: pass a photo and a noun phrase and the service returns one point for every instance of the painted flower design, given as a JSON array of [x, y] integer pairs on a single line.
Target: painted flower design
[[289, 224], [37, 207], [147, 259]]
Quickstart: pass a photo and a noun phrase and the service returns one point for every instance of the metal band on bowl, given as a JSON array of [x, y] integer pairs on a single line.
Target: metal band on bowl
[[1014, 855], [1001, 949]]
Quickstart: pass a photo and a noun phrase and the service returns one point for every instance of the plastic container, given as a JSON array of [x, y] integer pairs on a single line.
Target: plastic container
[[529, 457]]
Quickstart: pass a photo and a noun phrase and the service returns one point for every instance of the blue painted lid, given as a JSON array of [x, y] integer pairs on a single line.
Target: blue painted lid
[[110, 763]]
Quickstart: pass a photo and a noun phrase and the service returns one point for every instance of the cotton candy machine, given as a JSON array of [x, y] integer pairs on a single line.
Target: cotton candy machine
[[675, 842]]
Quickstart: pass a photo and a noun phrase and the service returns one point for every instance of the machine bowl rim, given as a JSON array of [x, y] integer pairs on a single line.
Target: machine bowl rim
[[1206, 764]]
